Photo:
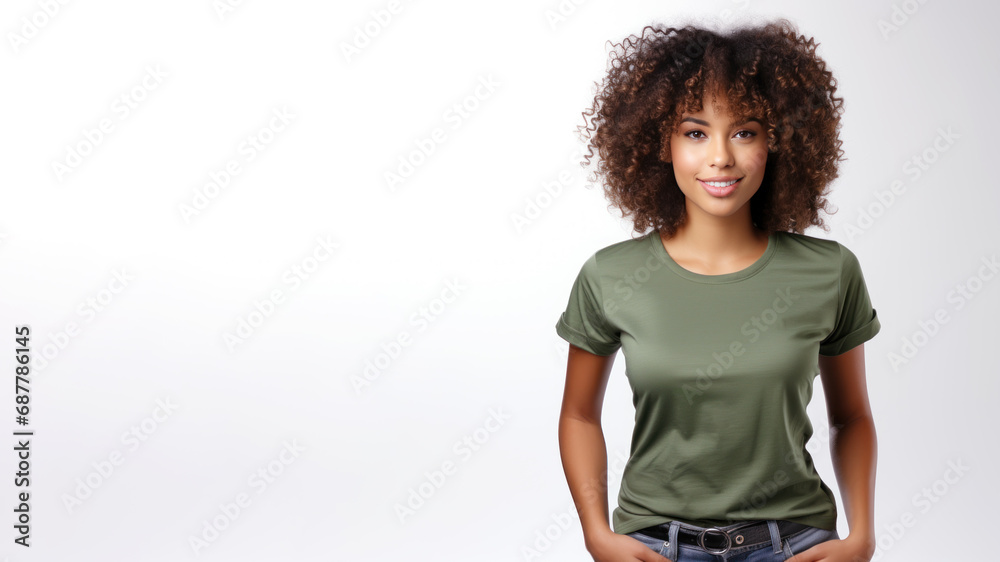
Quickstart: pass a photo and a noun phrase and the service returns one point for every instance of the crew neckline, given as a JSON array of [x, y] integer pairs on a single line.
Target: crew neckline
[[747, 272]]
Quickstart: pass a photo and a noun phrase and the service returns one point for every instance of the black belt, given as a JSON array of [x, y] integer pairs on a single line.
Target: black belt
[[719, 541]]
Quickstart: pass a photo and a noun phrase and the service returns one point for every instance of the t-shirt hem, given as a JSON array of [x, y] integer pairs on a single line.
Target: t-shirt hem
[[638, 524], [820, 523]]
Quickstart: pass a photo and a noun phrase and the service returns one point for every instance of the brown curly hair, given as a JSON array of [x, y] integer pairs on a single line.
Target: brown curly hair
[[765, 71]]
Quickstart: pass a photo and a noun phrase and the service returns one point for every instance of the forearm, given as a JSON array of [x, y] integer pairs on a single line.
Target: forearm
[[854, 451], [585, 459]]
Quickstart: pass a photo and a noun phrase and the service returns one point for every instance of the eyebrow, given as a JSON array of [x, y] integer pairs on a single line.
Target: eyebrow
[[704, 123]]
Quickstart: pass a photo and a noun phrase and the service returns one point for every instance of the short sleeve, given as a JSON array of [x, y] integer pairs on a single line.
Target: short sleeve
[[583, 323], [857, 321]]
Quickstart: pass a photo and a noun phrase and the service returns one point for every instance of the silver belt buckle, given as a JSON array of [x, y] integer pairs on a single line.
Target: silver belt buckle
[[701, 540]]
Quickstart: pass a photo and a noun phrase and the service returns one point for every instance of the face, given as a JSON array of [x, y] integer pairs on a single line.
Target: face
[[719, 164]]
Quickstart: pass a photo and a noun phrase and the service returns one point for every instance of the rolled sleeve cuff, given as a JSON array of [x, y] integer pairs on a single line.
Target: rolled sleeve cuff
[[581, 340], [853, 339]]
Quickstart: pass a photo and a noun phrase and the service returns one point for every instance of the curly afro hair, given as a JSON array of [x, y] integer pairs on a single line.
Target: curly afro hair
[[765, 71]]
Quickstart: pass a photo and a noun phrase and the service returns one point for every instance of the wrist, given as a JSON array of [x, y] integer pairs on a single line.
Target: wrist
[[864, 543], [595, 536], [861, 531]]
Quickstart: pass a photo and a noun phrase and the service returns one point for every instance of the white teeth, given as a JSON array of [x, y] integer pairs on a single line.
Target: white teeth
[[721, 183]]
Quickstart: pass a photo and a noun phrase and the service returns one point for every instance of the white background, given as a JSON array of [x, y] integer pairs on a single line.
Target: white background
[[492, 346]]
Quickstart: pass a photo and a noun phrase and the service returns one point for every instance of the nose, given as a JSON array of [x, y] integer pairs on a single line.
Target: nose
[[720, 154]]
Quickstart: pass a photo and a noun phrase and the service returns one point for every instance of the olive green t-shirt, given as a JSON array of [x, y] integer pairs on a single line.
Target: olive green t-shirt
[[721, 369]]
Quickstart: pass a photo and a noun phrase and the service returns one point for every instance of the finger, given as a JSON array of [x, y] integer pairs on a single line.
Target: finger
[[652, 556], [814, 552], [804, 556]]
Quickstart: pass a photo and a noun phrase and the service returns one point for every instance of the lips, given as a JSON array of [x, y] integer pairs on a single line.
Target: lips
[[720, 187]]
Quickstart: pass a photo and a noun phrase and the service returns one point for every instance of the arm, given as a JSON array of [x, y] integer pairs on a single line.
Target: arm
[[581, 438], [853, 448], [585, 457]]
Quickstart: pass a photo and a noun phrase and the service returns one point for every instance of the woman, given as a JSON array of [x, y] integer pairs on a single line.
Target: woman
[[725, 145]]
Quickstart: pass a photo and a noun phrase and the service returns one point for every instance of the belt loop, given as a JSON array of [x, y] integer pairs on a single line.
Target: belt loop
[[672, 548], [772, 526]]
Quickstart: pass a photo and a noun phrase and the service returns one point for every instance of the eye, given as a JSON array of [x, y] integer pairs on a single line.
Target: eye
[[748, 134], [693, 132]]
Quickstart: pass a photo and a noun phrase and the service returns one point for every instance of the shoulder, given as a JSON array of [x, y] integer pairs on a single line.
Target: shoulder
[[623, 255], [802, 248], [805, 245]]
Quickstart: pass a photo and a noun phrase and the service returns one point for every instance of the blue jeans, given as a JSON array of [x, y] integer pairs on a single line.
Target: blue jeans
[[777, 549]]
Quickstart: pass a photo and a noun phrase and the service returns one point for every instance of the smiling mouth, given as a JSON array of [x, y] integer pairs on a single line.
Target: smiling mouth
[[721, 189], [726, 183]]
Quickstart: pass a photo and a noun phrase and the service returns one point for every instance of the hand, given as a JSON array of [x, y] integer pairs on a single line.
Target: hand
[[851, 549], [612, 547]]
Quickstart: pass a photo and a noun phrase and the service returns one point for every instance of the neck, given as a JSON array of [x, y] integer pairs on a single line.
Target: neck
[[719, 236]]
